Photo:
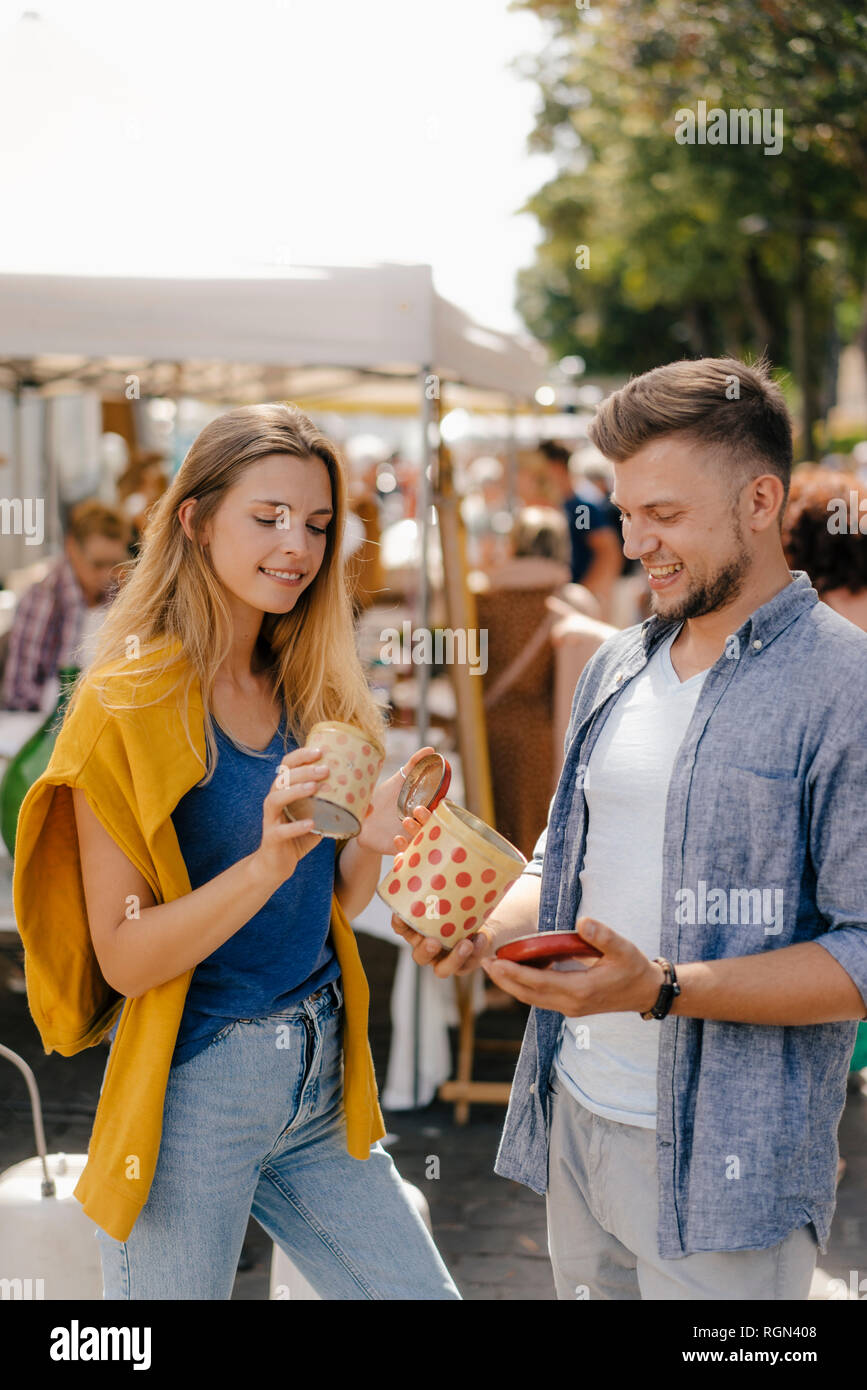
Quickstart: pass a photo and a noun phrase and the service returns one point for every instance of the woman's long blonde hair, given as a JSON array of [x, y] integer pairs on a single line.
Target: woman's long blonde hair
[[171, 591]]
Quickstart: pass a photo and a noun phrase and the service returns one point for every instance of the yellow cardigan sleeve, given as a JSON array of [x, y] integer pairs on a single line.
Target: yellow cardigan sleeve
[[70, 1001]]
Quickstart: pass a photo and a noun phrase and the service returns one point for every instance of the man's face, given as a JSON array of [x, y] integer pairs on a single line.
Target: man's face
[[96, 563], [681, 519]]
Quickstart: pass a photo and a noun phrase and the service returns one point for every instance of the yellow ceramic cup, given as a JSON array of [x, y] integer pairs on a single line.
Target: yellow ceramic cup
[[451, 875], [354, 762]]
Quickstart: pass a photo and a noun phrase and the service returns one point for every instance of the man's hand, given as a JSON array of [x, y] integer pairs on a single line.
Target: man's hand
[[461, 959], [621, 980]]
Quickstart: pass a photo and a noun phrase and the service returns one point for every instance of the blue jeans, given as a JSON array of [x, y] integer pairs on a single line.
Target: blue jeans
[[255, 1123]]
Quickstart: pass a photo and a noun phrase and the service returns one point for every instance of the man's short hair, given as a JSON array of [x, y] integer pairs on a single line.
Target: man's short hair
[[718, 401]]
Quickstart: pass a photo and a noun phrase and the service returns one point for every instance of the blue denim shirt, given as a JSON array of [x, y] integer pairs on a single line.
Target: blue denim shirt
[[769, 793]]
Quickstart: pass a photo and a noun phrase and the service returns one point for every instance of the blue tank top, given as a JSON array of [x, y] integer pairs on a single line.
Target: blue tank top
[[283, 953]]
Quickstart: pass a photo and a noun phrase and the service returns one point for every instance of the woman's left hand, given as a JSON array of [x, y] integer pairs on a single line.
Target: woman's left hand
[[383, 820]]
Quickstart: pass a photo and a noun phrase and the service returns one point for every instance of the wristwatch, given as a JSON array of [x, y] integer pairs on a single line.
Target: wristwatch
[[668, 992]]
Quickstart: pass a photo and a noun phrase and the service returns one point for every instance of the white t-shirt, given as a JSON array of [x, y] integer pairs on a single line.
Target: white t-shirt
[[608, 1061]]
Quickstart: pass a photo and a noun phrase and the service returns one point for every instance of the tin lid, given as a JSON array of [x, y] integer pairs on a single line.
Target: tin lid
[[425, 785]]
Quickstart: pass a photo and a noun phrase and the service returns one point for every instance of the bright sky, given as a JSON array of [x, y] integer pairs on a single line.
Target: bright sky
[[193, 137]]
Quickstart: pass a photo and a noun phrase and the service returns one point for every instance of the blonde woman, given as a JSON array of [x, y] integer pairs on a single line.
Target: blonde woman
[[240, 1079]]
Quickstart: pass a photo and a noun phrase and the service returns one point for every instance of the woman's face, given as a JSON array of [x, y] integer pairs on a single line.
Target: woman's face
[[267, 537]]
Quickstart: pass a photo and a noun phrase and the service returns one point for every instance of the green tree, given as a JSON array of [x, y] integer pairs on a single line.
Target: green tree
[[701, 248]]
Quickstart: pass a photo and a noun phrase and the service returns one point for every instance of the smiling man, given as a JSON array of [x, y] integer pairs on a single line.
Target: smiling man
[[679, 1099]]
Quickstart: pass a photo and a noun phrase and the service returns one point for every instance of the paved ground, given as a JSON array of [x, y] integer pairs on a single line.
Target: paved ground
[[491, 1232]]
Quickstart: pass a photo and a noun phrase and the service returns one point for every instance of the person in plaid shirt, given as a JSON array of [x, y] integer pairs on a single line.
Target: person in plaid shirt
[[53, 616]]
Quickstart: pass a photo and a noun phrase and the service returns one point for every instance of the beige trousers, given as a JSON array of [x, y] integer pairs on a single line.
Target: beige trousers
[[602, 1214]]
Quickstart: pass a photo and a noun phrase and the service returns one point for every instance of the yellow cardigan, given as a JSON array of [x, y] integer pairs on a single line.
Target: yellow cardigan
[[134, 767]]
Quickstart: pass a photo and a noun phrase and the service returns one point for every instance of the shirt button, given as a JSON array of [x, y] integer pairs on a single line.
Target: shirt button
[[618, 678], [532, 1088], [757, 646]]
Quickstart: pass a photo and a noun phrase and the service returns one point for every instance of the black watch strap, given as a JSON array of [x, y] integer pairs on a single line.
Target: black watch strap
[[668, 993]]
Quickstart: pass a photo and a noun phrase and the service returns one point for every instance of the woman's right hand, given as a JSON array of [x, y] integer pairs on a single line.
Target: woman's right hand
[[461, 959], [285, 843]]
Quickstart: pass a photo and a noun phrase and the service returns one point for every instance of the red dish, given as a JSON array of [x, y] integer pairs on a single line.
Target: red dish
[[543, 947]]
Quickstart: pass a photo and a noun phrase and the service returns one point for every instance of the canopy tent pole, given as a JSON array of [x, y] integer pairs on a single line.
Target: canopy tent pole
[[473, 745], [461, 618], [429, 385]]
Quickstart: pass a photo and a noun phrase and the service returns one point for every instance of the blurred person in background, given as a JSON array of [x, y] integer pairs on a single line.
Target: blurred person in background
[[595, 481], [55, 617], [834, 556], [138, 488], [578, 633], [484, 513], [558, 629], [596, 553], [539, 555], [511, 604]]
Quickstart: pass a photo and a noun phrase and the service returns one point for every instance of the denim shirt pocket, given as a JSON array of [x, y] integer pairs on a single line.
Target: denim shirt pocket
[[760, 834]]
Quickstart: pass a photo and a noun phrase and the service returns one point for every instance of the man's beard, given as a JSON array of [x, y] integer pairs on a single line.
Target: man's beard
[[713, 593]]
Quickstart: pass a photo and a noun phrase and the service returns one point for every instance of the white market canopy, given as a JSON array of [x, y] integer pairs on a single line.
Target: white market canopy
[[348, 337]]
